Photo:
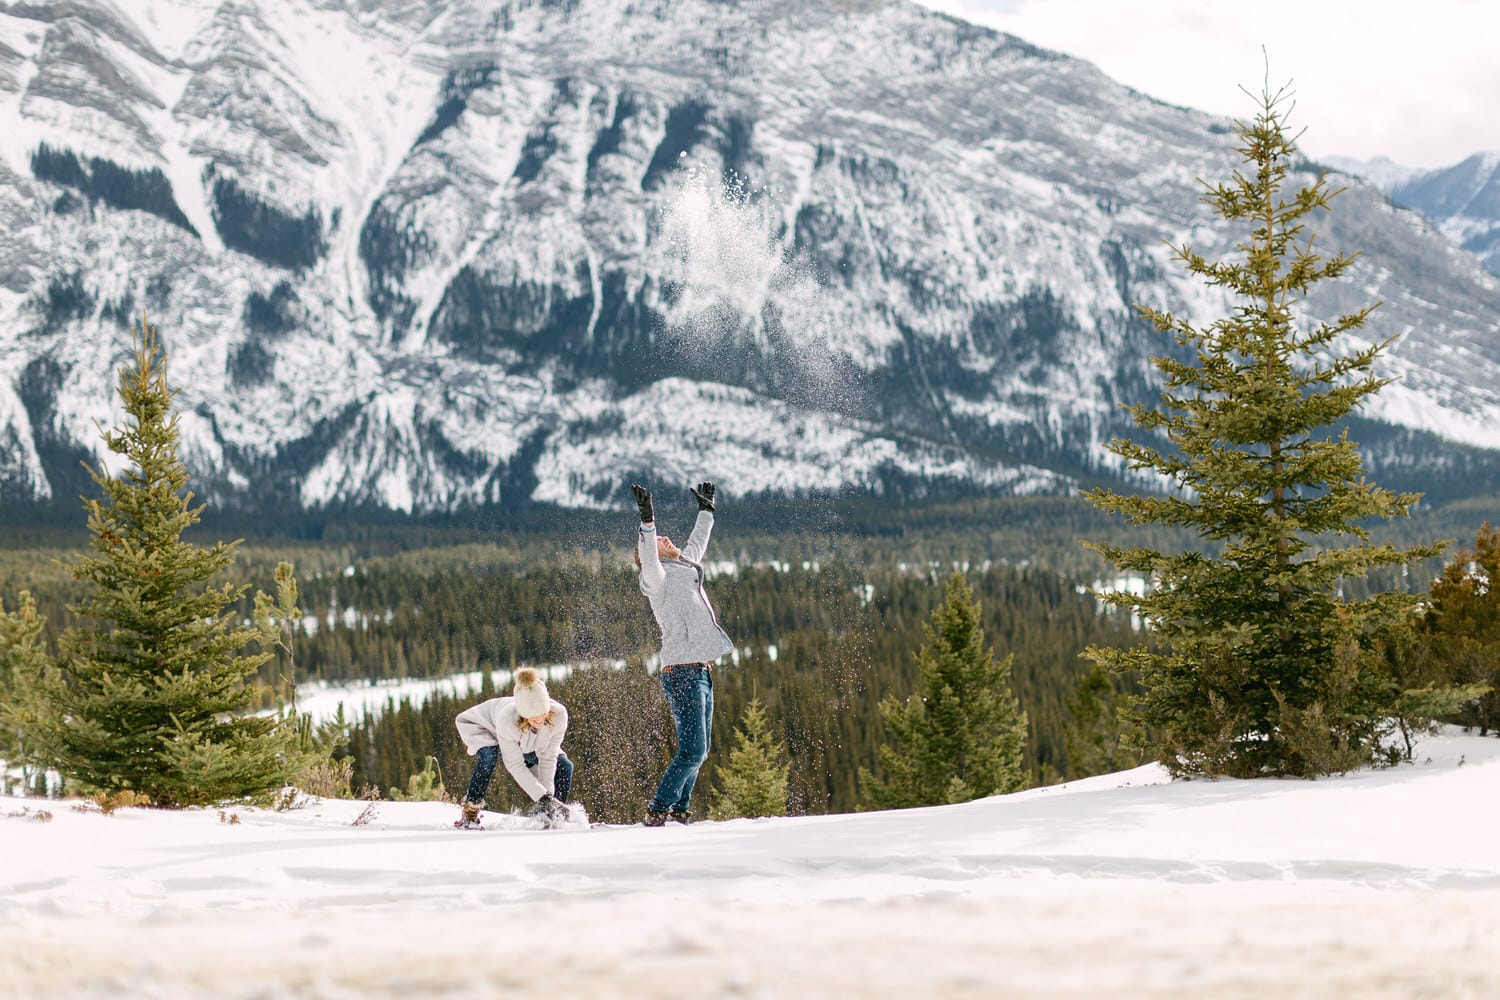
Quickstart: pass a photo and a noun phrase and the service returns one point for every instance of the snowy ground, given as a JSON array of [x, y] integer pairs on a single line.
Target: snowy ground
[[1379, 884]]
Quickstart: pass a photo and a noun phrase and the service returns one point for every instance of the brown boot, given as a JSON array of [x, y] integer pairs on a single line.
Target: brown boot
[[470, 818]]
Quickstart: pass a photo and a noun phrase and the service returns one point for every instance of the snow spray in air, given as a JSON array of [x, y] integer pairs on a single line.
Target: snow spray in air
[[747, 302]]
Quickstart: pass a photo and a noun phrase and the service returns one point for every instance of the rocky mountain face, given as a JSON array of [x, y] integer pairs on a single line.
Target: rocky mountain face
[[433, 256]]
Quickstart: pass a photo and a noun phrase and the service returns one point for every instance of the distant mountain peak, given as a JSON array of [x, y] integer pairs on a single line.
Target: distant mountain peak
[[1381, 171]]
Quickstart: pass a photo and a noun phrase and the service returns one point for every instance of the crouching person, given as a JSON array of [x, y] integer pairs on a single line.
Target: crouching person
[[525, 731]]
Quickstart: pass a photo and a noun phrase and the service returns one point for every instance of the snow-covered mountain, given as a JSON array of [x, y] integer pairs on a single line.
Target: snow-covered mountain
[[1382, 171], [434, 255], [1463, 200]]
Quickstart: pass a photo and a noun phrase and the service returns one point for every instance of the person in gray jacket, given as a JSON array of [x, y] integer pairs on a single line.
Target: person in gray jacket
[[525, 731], [691, 640]]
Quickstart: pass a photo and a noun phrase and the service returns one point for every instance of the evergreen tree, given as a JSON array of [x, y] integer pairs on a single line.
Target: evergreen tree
[[1095, 733], [754, 781], [150, 692], [23, 659], [424, 786], [277, 619], [1268, 669], [1461, 628], [963, 735], [324, 756]]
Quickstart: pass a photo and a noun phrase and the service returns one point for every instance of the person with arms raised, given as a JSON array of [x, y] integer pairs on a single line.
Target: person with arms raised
[[691, 641]]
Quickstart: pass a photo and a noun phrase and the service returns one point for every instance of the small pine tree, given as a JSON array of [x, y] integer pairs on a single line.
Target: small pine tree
[[1096, 735], [324, 762], [424, 786], [1461, 629], [23, 659], [276, 619], [1269, 670], [754, 781], [322, 765], [151, 692], [963, 735]]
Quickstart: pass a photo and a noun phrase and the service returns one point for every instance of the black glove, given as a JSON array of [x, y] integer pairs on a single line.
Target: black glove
[[643, 501], [550, 810], [704, 494]]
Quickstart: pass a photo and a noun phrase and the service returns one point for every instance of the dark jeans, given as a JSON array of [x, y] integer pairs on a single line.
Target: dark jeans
[[487, 758], [690, 693]]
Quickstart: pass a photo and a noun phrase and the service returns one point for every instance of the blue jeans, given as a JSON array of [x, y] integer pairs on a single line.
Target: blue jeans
[[690, 693], [487, 758]]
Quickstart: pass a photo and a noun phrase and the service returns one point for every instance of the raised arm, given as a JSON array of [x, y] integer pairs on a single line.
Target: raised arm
[[651, 572], [697, 542]]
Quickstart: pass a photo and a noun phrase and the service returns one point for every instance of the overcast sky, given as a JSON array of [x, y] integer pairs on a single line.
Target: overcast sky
[[1418, 82]]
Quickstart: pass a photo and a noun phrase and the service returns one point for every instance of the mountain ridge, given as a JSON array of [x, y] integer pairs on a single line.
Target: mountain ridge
[[1462, 200], [435, 257]]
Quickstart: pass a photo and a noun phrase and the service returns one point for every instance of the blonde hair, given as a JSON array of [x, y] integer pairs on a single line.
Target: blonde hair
[[547, 721]]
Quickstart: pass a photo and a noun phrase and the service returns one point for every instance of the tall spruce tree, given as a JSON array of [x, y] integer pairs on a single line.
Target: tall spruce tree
[[962, 735], [1268, 669], [150, 694], [754, 781]]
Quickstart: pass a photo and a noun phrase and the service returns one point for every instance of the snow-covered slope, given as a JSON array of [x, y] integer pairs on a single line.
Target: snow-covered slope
[[433, 255], [1380, 884], [1463, 200]]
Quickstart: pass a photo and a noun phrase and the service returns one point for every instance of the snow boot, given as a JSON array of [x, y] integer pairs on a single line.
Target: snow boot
[[680, 816], [469, 820], [654, 818]]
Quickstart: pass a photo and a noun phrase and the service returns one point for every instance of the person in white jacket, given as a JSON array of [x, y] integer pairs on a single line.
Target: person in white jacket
[[525, 731], [691, 641]]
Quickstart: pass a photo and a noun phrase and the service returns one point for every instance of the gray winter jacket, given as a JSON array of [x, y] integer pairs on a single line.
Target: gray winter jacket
[[690, 631]]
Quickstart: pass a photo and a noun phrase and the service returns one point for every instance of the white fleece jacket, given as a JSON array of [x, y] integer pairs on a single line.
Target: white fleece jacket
[[497, 723], [690, 631]]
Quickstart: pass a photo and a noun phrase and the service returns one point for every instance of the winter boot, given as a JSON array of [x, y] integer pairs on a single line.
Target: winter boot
[[680, 816], [654, 818], [470, 818]]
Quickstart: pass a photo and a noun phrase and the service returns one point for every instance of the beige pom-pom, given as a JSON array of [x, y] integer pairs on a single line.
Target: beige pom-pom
[[531, 694]]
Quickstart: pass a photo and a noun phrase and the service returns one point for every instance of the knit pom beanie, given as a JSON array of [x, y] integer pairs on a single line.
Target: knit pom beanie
[[531, 694]]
